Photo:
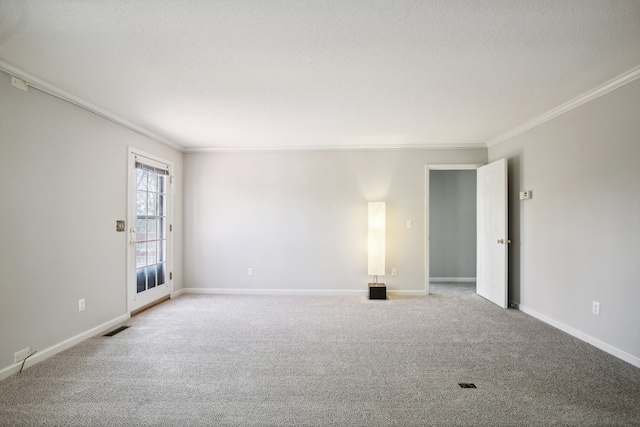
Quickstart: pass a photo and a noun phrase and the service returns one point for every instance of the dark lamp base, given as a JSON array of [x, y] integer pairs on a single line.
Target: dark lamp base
[[377, 291]]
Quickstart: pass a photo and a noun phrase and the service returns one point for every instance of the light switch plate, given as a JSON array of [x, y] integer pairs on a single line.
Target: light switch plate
[[526, 195]]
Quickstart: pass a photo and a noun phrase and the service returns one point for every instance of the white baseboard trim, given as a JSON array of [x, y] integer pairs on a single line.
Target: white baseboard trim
[[57, 348], [223, 291], [407, 293], [451, 279], [177, 293], [352, 292], [620, 354]]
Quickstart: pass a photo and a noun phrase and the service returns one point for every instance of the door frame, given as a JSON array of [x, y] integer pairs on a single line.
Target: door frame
[[428, 168], [131, 213]]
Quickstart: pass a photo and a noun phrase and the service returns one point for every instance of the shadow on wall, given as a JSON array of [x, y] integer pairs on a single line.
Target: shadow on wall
[[514, 182]]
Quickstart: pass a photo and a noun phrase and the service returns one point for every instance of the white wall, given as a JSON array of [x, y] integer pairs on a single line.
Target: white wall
[[300, 218], [452, 224], [63, 185], [578, 239]]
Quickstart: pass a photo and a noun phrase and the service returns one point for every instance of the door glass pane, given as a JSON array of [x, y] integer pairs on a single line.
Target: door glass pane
[[151, 204], [141, 254], [151, 226], [151, 229], [141, 203], [161, 228], [141, 176], [151, 277], [161, 205], [141, 277], [160, 274], [141, 229], [153, 182], [151, 253], [161, 249]]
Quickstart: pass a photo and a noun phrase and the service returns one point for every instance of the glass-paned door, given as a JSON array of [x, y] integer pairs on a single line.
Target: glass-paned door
[[151, 226], [150, 222]]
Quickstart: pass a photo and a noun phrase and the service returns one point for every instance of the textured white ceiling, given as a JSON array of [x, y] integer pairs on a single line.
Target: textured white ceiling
[[298, 74]]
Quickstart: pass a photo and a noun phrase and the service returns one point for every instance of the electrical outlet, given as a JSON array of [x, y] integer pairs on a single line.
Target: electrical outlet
[[250, 271], [394, 271], [596, 308], [81, 304], [19, 356]]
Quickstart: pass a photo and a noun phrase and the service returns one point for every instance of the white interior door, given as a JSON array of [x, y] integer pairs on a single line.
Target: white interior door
[[491, 266], [149, 255]]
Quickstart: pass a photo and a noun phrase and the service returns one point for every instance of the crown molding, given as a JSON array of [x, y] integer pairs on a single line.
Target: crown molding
[[597, 92], [372, 147], [53, 90]]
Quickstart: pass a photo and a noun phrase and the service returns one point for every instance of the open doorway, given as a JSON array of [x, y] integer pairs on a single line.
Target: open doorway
[[451, 227]]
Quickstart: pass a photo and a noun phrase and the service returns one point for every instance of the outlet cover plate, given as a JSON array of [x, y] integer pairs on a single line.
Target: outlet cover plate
[[526, 195], [19, 356], [19, 83]]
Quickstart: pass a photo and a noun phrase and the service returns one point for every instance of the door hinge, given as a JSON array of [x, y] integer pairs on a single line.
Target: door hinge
[[171, 275], [170, 227]]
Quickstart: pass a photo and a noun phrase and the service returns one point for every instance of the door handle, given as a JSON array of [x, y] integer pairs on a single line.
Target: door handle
[[132, 232]]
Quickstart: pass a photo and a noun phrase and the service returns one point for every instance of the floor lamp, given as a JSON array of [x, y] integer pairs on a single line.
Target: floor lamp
[[376, 243]]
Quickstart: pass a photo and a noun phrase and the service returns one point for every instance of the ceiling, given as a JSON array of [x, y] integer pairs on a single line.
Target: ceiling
[[334, 74]]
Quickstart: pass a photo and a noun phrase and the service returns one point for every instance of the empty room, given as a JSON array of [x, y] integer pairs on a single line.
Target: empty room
[[371, 213]]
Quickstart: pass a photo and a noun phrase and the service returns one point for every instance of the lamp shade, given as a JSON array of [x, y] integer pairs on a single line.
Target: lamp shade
[[377, 220]]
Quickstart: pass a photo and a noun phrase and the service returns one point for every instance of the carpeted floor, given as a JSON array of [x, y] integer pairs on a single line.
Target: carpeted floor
[[245, 360]]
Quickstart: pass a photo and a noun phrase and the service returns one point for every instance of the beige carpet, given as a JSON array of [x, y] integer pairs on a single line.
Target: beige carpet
[[327, 360]]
